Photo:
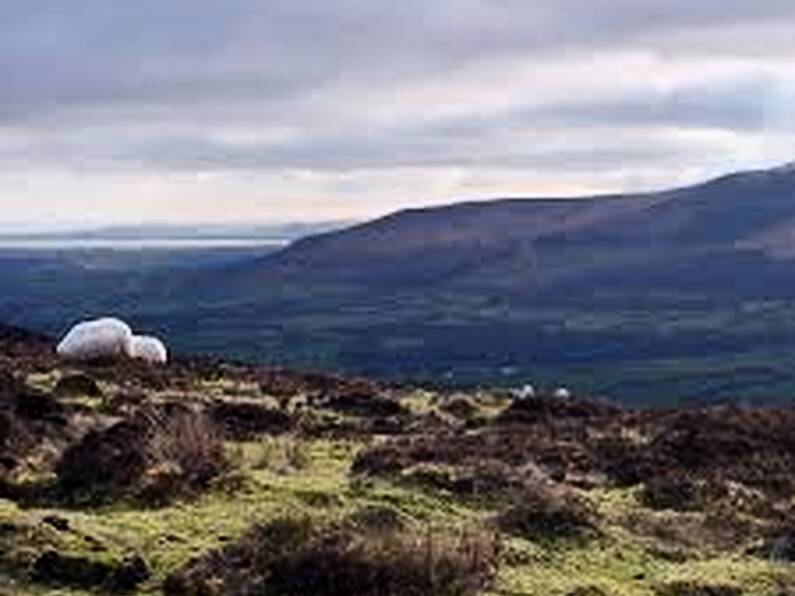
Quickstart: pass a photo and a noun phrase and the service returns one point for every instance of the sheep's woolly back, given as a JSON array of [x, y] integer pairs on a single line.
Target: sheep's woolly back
[[100, 338], [150, 349]]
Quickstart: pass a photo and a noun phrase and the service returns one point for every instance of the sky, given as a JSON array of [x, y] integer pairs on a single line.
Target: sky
[[305, 110]]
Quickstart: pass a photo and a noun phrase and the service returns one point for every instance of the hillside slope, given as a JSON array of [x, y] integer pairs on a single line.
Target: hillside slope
[[740, 213], [683, 293], [206, 476], [679, 295]]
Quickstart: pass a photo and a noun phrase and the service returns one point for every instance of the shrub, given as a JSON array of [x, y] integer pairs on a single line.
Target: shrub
[[680, 492], [477, 479], [376, 518], [692, 588], [157, 454], [587, 591], [461, 407], [54, 568], [284, 454], [77, 385], [297, 557], [365, 405], [548, 512], [9, 385], [245, 420]]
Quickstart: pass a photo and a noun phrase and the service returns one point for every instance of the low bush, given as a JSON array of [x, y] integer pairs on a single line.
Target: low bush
[[54, 568], [478, 479], [693, 588], [77, 385], [548, 512], [300, 558], [680, 492], [159, 453], [461, 407], [246, 420]]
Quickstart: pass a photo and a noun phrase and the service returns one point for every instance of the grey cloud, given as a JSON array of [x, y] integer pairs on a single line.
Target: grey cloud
[[154, 85], [738, 105], [54, 53], [515, 138]]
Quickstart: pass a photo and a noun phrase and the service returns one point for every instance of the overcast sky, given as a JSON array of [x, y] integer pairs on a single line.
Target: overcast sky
[[274, 110]]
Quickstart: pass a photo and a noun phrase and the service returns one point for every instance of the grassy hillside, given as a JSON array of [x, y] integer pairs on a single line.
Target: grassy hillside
[[206, 477], [624, 341]]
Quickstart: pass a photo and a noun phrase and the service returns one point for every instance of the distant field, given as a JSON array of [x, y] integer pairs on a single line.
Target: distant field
[[667, 352]]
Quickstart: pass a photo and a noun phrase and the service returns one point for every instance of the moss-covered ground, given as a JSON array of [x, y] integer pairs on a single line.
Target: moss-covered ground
[[274, 477]]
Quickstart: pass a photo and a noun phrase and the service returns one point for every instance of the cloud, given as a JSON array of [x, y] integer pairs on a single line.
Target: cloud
[[494, 97]]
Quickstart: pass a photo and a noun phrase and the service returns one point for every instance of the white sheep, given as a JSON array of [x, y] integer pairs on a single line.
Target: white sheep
[[100, 338], [524, 392], [562, 393], [147, 348]]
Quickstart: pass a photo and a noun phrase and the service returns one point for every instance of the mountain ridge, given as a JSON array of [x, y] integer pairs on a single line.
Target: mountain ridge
[[714, 213]]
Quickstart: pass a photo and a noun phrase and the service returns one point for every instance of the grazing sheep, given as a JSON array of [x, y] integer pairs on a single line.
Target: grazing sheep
[[147, 348], [524, 392], [562, 393], [100, 338]]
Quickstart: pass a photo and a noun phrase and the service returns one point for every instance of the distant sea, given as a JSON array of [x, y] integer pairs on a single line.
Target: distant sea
[[132, 244]]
